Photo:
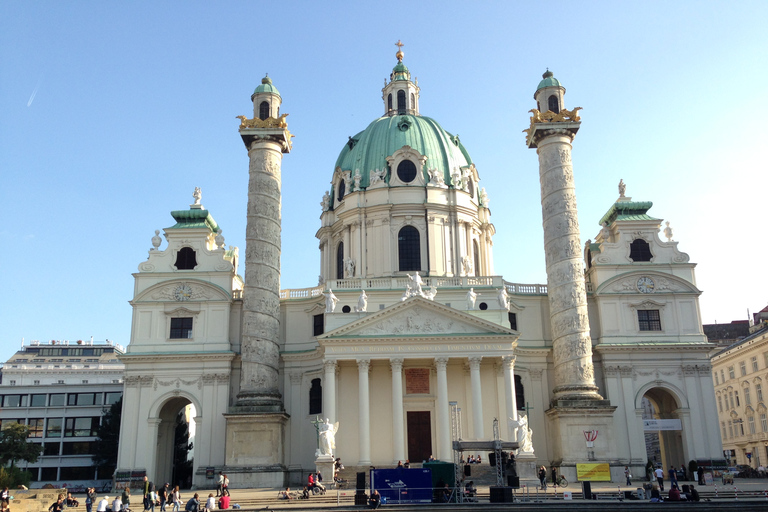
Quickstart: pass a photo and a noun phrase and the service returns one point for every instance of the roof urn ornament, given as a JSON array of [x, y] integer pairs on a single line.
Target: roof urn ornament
[[668, 232], [156, 240], [219, 239]]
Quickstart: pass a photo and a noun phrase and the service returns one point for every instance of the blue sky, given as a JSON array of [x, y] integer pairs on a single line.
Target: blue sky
[[112, 112]]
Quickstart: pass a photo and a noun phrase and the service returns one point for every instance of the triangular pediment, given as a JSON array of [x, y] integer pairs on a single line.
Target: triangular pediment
[[418, 317]]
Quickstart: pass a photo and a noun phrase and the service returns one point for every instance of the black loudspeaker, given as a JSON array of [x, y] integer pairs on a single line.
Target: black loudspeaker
[[361, 498], [502, 494], [467, 470], [360, 481], [492, 458], [513, 481], [586, 488]]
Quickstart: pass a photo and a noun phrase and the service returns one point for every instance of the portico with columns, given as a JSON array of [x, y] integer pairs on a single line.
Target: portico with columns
[[415, 357]]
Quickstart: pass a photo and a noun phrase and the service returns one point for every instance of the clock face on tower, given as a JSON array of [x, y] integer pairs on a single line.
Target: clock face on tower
[[645, 285], [182, 292]]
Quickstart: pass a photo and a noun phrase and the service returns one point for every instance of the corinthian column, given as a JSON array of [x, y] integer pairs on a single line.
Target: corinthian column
[[571, 342], [261, 294]]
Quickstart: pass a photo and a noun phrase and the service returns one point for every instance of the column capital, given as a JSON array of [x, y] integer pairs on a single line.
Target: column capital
[[441, 363], [509, 361], [363, 365], [474, 362], [330, 366], [396, 363]]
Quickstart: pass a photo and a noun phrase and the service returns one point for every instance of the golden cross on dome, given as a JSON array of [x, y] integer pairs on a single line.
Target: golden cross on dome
[[399, 53], [399, 45]]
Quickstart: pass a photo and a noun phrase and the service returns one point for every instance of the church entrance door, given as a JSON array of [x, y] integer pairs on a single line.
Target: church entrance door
[[419, 436]]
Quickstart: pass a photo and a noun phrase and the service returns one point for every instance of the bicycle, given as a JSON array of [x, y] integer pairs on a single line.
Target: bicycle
[[561, 481]]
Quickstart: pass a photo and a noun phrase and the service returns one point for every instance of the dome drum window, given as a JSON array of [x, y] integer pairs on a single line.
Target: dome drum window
[[407, 166]]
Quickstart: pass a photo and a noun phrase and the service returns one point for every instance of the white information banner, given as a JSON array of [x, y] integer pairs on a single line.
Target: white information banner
[[655, 425]]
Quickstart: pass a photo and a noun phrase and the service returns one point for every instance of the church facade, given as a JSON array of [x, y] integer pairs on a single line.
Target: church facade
[[411, 340]]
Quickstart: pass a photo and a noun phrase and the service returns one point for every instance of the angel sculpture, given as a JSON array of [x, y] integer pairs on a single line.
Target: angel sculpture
[[327, 432], [524, 433]]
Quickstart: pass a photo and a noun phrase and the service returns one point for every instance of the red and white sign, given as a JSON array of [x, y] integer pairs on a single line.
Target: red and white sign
[[590, 435]]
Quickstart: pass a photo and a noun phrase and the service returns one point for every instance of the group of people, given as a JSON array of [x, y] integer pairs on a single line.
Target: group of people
[[404, 466], [315, 483], [472, 459], [222, 485]]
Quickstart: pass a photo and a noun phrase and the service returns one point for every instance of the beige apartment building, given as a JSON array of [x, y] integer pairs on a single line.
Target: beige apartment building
[[740, 374]]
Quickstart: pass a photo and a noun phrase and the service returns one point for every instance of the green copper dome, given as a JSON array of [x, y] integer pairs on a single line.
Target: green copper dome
[[266, 86], [400, 72], [549, 80], [369, 149]]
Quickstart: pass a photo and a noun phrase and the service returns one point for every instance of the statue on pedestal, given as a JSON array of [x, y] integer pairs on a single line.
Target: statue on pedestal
[[524, 434], [327, 432]]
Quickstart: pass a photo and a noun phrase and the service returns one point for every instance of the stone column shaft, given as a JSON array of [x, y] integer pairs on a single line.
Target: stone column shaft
[[477, 396], [364, 414], [571, 341], [261, 293], [510, 397], [443, 422], [398, 425], [329, 391]]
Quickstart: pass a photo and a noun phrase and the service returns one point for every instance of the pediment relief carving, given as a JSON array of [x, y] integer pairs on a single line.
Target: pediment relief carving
[[417, 316], [663, 283], [182, 291]]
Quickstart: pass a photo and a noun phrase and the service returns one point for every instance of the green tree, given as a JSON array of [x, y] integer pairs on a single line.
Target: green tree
[[105, 447], [14, 445]]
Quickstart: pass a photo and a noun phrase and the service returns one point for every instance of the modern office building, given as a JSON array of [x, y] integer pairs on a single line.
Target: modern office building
[[61, 391]]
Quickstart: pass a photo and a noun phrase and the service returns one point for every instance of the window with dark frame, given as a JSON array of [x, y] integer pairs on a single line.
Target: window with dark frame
[[519, 392], [389, 102], [342, 190], [340, 261], [512, 321], [649, 319], [639, 250], [401, 105], [318, 324], [263, 110], [554, 105], [316, 397], [186, 259], [409, 249], [181, 328]]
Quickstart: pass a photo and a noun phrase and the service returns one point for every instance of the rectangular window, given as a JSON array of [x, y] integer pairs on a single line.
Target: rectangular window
[[741, 427], [78, 473], [725, 436], [731, 373], [764, 422], [717, 382], [751, 421], [37, 382], [181, 328], [84, 399], [6, 422], [52, 449], [318, 325], [759, 391], [743, 368], [738, 403], [15, 400], [77, 448], [649, 320], [730, 429], [36, 427], [720, 403], [12, 382], [730, 395], [81, 427], [54, 427], [754, 363], [722, 376], [113, 397], [512, 321], [49, 474], [747, 397], [56, 399]]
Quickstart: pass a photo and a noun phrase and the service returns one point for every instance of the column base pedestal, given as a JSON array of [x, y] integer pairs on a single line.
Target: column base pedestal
[[569, 420], [525, 464], [254, 455]]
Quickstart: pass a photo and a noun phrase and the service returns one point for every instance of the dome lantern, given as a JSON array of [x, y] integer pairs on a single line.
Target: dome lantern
[[549, 94], [266, 100], [400, 95]]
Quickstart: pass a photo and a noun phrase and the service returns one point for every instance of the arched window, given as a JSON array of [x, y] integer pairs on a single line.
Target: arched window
[[389, 102], [409, 248], [316, 397], [406, 171], [340, 261], [639, 250], [186, 259], [401, 106], [342, 189], [476, 255], [263, 110], [553, 104]]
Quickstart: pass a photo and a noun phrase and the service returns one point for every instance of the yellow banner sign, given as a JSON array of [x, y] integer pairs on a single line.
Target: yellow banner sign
[[593, 472]]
